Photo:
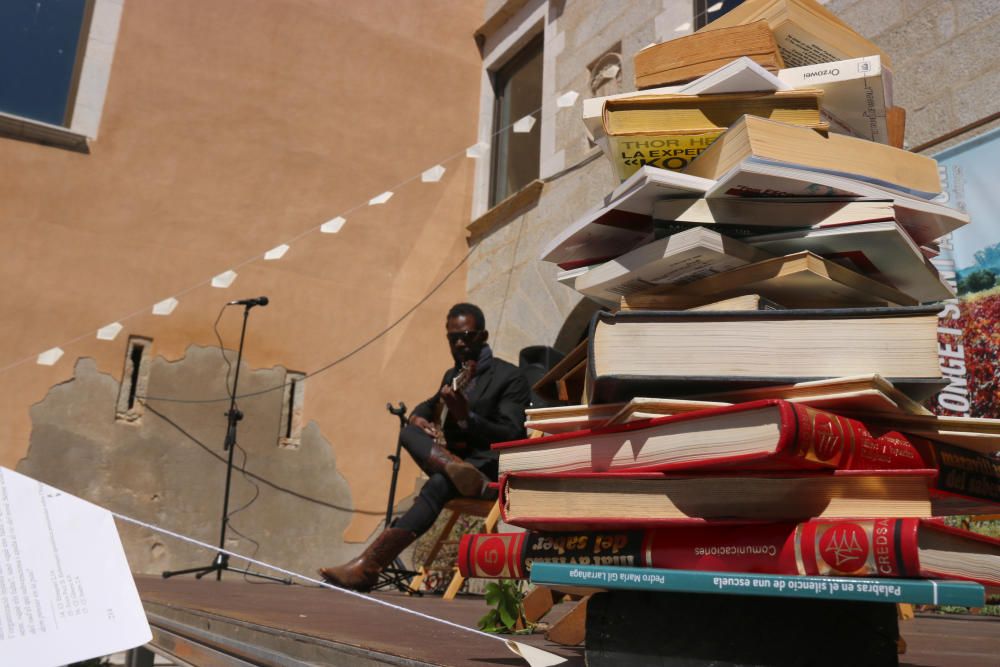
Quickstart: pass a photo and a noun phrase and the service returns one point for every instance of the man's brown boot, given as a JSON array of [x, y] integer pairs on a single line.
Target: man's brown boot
[[362, 573], [466, 477]]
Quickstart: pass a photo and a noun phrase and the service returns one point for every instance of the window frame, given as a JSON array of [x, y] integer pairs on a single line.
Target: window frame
[[499, 158], [498, 48], [88, 86]]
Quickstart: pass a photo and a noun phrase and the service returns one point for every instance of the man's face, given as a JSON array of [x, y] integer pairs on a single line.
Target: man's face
[[464, 339]]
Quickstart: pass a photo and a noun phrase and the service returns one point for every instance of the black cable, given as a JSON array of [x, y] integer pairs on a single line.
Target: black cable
[[262, 480]]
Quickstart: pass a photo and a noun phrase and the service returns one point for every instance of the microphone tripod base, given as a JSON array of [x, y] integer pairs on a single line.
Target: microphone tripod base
[[220, 565]]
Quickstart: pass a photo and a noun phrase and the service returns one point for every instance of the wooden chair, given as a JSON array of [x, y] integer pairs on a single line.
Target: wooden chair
[[488, 509]]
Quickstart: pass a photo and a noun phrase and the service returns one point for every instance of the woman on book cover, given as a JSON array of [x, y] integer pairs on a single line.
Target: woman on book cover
[[481, 401]]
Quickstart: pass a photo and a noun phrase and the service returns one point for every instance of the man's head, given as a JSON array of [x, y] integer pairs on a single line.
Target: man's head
[[466, 327]]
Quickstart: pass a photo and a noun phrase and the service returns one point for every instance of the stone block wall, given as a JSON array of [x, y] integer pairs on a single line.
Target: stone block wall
[[946, 66]]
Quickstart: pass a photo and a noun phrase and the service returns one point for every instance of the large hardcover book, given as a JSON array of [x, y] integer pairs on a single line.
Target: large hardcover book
[[770, 434], [778, 213], [805, 31], [623, 221], [841, 548], [684, 353], [742, 75], [607, 577], [857, 94], [669, 131], [643, 500], [566, 418], [688, 255], [922, 219], [881, 250], [979, 434], [701, 53], [871, 396], [799, 280], [753, 139], [868, 397]]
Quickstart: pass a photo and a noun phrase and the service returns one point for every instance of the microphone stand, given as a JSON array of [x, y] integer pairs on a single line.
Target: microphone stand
[[396, 575], [233, 416]]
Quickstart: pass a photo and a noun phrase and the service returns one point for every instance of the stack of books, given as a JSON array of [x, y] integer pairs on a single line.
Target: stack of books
[[752, 396]]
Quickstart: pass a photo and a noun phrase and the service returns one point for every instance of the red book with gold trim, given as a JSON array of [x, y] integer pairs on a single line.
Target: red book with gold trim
[[769, 434], [850, 548]]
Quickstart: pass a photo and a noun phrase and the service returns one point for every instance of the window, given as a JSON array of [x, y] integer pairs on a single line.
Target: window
[[706, 11], [517, 87], [56, 57], [42, 44], [290, 435], [135, 378]]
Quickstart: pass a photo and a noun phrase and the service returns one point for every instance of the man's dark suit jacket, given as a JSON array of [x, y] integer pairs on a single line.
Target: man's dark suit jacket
[[496, 403]]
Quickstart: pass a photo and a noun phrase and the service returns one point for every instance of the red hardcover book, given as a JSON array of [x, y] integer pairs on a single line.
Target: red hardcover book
[[646, 500], [850, 548], [770, 434]]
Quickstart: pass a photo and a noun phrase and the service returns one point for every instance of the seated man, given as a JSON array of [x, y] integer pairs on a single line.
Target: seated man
[[483, 401]]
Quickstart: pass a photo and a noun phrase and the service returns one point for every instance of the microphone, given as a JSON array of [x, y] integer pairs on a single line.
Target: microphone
[[250, 303]]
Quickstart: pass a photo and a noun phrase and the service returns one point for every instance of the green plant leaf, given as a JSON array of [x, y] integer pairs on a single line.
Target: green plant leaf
[[488, 623], [508, 613]]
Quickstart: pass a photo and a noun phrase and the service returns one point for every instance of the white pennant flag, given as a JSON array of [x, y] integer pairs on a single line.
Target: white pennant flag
[[224, 279], [381, 199], [109, 332], [49, 357], [165, 307], [432, 175], [524, 125], [332, 226], [276, 252]]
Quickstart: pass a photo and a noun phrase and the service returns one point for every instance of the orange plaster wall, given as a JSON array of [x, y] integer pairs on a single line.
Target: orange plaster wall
[[231, 127]]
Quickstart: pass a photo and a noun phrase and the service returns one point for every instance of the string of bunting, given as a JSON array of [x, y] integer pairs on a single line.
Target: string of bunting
[[225, 279]]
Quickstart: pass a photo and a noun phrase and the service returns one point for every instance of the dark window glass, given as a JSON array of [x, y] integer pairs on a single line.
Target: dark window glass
[[518, 89], [701, 15], [39, 40]]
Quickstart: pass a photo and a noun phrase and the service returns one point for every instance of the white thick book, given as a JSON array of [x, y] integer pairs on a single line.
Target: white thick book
[[624, 220], [924, 220], [880, 250], [742, 75], [771, 212], [856, 93], [603, 232], [677, 259]]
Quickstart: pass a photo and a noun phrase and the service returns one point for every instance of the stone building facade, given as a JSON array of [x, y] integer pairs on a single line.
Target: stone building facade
[[946, 71]]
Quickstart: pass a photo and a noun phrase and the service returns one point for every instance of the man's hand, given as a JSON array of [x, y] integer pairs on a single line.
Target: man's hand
[[424, 425], [457, 404]]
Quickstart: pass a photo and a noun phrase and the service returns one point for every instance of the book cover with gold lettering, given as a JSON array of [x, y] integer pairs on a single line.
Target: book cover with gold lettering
[[912, 548]]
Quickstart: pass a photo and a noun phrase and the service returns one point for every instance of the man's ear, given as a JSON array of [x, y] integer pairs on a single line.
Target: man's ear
[[486, 335]]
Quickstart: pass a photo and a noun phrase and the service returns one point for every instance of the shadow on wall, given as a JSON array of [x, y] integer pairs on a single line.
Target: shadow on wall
[[165, 465], [577, 325]]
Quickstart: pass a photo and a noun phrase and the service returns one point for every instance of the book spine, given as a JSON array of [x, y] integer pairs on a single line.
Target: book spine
[[962, 472], [869, 548], [492, 555], [757, 548], [836, 548], [833, 441], [916, 591]]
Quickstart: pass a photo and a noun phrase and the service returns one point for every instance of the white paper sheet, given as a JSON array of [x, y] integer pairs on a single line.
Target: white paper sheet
[[66, 592]]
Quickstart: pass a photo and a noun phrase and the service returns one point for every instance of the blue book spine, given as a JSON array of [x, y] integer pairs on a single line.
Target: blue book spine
[[916, 591]]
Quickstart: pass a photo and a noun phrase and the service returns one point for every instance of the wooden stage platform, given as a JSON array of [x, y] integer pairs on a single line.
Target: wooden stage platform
[[233, 622]]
